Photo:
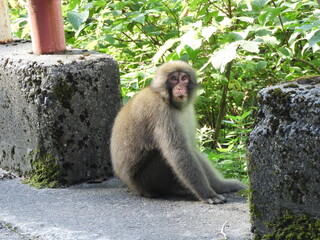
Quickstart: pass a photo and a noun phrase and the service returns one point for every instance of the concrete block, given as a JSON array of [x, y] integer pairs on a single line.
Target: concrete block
[[284, 153], [56, 112]]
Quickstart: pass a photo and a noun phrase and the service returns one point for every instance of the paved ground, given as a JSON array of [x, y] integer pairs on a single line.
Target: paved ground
[[9, 234], [107, 211]]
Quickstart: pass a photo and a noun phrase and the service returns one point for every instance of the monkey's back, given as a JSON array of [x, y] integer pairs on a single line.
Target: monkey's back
[[132, 133]]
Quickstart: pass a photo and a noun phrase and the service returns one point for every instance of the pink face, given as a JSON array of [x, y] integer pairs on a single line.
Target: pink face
[[178, 82]]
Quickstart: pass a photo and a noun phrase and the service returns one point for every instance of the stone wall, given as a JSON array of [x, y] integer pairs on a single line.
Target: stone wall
[[284, 153], [57, 111]]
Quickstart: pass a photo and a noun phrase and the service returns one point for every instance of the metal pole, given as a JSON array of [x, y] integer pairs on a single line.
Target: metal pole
[[5, 30], [47, 33]]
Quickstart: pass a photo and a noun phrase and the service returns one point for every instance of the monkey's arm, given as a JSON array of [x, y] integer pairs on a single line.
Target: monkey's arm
[[217, 182], [183, 160]]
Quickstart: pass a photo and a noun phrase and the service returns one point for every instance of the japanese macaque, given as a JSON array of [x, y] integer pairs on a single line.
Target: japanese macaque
[[153, 142]]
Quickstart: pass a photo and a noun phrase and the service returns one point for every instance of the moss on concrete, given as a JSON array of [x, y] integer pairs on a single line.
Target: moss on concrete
[[64, 93], [293, 227], [277, 93], [45, 170], [291, 85], [310, 79]]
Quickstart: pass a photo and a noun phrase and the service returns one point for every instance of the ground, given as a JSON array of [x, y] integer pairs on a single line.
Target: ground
[[108, 211]]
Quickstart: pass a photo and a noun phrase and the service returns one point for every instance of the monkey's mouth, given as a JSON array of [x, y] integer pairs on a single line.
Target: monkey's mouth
[[180, 98]]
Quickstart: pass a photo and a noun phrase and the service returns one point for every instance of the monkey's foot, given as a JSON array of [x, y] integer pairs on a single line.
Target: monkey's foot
[[231, 185], [219, 199], [149, 194]]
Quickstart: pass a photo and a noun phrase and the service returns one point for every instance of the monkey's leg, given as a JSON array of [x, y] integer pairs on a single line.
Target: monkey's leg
[[183, 160], [217, 182], [193, 177], [157, 178]]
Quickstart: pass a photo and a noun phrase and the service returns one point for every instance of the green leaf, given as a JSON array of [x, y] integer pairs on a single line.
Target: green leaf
[[273, 13], [244, 115], [293, 37], [116, 13], [168, 44], [260, 65], [224, 150], [315, 38], [237, 97], [172, 56], [150, 28], [224, 80], [246, 19], [109, 38], [221, 58], [192, 53], [262, 18], [168, 21], [269, 15], [208, 31], [77, 18], [315, 48], [185, 57], [259, 3], [270, 40], [284, 51], [191, 39], [140, 18], [130, 26], [73, 3], [306, 27], [232, 37], [250, 46]]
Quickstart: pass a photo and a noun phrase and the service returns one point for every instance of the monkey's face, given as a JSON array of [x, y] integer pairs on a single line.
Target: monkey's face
[[178, 83]]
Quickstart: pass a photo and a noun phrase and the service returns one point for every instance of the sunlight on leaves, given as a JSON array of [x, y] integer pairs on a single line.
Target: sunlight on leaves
[[221, 58], [191, 39], [168, 44], [208, 31], [250, 46]]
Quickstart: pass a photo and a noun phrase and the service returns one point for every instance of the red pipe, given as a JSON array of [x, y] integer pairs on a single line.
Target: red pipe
[[47, 31]]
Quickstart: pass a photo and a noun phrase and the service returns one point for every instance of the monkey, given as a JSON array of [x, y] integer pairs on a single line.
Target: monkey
[[153, 141]]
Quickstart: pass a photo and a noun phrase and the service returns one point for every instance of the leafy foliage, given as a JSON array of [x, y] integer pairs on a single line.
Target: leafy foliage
[[238, 47]]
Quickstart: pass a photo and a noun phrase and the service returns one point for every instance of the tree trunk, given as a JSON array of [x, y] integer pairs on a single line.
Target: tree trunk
[[223, 106]]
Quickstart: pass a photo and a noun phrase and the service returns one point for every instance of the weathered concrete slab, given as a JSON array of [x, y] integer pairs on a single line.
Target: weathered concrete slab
[[7, 233], [284, 153], [108, 211], [56, 113]]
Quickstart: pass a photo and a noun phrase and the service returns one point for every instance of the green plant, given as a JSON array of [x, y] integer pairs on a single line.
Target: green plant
[[230, 157], [238, 47]]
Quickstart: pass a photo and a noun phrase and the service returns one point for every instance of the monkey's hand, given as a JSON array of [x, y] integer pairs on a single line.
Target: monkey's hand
[[219, 199]]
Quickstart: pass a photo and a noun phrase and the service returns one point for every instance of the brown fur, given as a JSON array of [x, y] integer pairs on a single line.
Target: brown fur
[[153, 144]]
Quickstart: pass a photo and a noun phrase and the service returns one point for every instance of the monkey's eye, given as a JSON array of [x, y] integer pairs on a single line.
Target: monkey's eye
[[184, 78], [173, 78]]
